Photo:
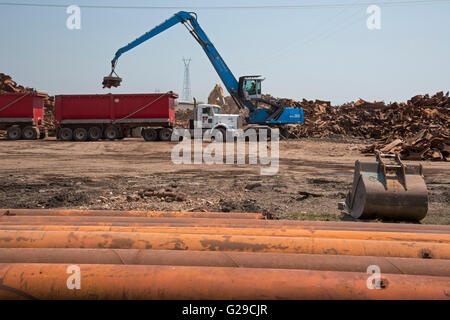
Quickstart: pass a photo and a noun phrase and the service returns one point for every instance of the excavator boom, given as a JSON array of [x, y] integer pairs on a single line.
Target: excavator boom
[[246, 92]]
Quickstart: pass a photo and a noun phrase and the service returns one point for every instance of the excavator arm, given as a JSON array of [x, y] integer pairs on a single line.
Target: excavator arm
[[189, 20], [246, 92]]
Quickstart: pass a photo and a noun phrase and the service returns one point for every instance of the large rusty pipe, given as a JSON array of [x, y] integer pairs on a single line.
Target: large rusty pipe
[[433, 267], [50, 281], [16, 224], [229, 218], [331, 234], [133, 213], [202, 242], [249, 222]]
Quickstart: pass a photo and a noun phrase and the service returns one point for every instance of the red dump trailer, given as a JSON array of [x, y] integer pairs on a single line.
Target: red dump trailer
[[113, 116], [22, 115]]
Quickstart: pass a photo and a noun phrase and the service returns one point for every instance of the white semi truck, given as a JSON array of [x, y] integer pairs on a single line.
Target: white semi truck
[[209, 119]]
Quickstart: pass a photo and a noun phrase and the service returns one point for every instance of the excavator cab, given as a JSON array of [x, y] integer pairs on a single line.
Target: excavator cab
[[250, 87]]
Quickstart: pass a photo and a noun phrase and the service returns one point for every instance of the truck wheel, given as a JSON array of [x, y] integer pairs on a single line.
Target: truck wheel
[[121, 134], [14, 133], [165, 134], [220, 132], [94, 133], [149, 134], [42, 133], [111, 133], [29, 133], [66, 134], [80, 134]]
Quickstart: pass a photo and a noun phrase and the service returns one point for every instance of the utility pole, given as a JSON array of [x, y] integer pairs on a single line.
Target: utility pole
[[186, 96]]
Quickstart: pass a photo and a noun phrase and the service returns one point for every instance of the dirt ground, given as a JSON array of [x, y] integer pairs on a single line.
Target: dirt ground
[[313, 176]]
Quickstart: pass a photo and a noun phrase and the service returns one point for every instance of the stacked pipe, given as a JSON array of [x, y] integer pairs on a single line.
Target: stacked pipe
[[203, 255]]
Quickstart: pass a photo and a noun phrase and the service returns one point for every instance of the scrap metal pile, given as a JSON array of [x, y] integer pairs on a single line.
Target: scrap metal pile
[[418, 129], [7, 84], [83, 254]]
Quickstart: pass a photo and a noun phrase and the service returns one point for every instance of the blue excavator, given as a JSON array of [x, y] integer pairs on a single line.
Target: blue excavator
[[246, 92]]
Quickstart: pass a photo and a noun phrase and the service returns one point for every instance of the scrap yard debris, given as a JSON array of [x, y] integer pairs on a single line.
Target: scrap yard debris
[[418, 129]]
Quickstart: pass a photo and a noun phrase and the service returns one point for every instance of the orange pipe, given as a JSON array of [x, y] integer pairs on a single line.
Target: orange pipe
[[430, 267], [16, 225], [330, 234], [134, 213], [229, 218], [49, 281], [202, 242], [28, 220]]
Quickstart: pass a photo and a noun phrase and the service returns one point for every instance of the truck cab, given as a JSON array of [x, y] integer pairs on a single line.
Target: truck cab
[[209, 117]]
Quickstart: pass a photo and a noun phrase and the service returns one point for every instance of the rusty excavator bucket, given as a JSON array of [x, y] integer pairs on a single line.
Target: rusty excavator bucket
[[387, 188]]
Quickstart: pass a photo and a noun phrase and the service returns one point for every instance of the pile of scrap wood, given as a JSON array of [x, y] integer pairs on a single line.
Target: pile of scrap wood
[[418, 129], [9, 85]]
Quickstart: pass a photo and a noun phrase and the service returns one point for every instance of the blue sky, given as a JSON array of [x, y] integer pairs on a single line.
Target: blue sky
[[323, 53]]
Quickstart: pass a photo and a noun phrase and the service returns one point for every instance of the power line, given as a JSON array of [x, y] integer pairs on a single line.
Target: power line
[[270, 7], [314, 35]]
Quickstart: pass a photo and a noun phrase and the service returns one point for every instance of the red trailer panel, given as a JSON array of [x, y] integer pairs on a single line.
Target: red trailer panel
[[22, 108], [113, 116], [116, 108]]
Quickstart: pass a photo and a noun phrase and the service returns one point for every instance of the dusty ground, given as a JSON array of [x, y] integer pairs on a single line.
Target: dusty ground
[[314, 175]]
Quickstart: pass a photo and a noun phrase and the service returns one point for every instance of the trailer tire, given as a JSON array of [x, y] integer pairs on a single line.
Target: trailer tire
[[14, 133], [66, 134], [94, 133], [42, 134], [165, 134], [29, 133], [121, 134], [150, 134], [80, 134], [111, 133]]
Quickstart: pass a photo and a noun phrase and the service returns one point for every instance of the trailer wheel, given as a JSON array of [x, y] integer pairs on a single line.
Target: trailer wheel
[[14, 133], [66, 134], [94, 133], [165, 134], [111, 133], [29, 133], [42, 134], [149, 134], [80, 134]]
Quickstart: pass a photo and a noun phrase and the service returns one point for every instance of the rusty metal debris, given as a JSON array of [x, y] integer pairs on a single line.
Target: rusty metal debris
[[418, 129]]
